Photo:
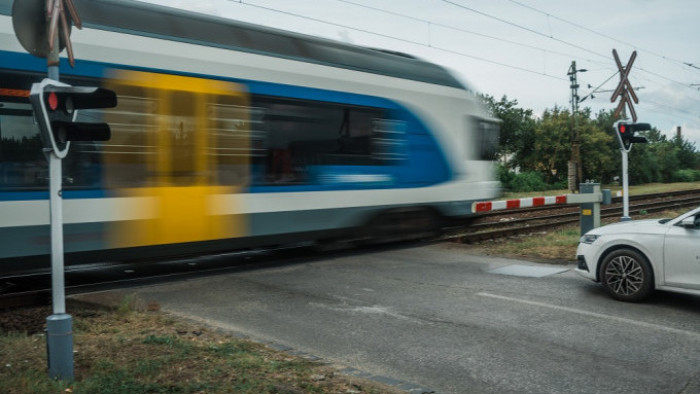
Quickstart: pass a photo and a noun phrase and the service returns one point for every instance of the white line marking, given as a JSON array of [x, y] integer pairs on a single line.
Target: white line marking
[[593, 314]]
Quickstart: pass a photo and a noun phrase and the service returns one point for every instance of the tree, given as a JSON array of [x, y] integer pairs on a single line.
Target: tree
[[598, 153], [552, 148], [517, 128], [688, 156], [544, 146]]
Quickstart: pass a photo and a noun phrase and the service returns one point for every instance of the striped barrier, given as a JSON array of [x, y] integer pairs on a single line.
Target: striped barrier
[[589, 199], [486, 206]]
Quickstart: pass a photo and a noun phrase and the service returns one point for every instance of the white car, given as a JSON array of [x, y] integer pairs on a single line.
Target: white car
[[633, 258]]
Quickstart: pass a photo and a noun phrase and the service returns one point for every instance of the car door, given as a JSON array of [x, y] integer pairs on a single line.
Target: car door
[[682, 254]]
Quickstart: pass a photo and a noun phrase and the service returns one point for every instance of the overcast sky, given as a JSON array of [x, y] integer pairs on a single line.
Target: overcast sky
[[518, 48]]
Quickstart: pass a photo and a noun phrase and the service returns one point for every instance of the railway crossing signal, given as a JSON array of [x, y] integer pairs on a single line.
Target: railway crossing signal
[[624, 89], [43, 29], [625, 133], [56, 107], [625, 136]]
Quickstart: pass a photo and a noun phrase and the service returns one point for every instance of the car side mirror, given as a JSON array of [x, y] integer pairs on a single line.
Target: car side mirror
[[690, 222]]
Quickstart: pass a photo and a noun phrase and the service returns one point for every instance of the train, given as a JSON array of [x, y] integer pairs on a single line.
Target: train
[[230, 136]]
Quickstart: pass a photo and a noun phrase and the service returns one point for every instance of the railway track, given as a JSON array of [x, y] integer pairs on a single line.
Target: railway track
[[35, 288], [500, 224]]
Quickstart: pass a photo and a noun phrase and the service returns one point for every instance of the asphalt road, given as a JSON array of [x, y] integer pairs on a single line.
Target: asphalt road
[[447, 321]]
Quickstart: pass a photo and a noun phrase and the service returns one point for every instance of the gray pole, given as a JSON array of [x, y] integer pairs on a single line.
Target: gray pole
[[625, 189], [59, 331], [575, 169]]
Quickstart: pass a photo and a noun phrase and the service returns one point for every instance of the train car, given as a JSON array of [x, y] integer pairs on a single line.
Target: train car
[[229, 135]]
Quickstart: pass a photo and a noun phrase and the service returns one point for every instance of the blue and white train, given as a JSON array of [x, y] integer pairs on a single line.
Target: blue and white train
[[229, 135]]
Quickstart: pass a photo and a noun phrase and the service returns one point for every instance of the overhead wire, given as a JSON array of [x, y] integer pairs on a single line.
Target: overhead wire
[[244, 2], [551, 37], [485, 14], [462, 30], [429, 44], [668, 58]]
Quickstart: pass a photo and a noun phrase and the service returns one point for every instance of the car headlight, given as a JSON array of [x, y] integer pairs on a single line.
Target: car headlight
[[589, 238]]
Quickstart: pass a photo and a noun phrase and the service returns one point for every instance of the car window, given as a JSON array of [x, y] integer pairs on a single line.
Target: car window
[[678, 217]]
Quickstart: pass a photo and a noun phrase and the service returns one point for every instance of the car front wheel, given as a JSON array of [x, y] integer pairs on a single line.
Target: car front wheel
[[627, 275]]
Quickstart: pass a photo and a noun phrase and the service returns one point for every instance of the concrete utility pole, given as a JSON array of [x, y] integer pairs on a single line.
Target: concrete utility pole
[[575, 168]]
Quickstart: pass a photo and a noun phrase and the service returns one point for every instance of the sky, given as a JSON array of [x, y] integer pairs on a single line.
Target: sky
[[522, 49]]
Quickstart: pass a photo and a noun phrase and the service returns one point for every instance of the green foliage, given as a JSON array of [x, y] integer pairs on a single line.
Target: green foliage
[[686, 175], [505, 175], [516, 130], [528, 182], [540, 149], [169, 341], [531, 181]]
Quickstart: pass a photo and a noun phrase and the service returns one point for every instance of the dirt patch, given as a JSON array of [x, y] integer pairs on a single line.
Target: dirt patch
[[29, 321]]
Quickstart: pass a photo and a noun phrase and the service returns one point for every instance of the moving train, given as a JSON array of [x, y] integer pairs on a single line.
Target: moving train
[[229, 135]]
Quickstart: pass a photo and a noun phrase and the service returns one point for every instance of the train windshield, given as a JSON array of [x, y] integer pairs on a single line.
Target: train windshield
[[487, 133]]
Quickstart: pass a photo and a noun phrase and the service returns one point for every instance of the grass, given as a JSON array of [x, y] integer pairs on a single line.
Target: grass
[[555, 246], [559, 244], [122, 350]]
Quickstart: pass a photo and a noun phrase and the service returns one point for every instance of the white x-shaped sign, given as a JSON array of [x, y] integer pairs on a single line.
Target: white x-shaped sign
[[624, 88], [55, 12]]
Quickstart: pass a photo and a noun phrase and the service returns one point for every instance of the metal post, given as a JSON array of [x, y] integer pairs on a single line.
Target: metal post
[[56, 210], [625, 189], [590, 211], [575, 168], [59, 332]]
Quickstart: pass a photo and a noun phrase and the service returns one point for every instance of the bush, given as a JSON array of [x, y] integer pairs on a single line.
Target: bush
[[527, 182], [505, 175], [686, 175]]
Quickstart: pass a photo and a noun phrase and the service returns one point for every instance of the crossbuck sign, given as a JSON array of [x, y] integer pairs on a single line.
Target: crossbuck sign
[[624, 89]]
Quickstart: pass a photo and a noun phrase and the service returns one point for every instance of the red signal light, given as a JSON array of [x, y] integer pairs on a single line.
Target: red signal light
[[52, 101], [623, 129]]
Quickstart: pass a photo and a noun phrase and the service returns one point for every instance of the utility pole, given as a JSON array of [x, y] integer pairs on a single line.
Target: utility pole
[[575, 168]]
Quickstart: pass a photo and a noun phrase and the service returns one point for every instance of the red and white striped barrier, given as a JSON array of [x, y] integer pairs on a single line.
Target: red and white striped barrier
[[485, 206]]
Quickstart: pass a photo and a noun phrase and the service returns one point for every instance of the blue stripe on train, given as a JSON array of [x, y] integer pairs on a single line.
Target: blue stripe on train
[[425, 166]]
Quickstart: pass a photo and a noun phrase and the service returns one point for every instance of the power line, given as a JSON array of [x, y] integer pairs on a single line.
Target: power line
[[243, 2], [556, 39], [599, 86], [462, 30], [604, 35], [551, 37]]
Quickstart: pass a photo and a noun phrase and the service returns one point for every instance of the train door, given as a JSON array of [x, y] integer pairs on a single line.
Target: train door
[[178, 156]]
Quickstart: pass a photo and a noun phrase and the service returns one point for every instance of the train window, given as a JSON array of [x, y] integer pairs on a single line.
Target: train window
[[22, 163], [130, 153], [293, 136], [487, 138], [234, 130]]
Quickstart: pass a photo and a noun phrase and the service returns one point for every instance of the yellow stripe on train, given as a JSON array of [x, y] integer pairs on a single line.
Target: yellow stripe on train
[[168, 135]]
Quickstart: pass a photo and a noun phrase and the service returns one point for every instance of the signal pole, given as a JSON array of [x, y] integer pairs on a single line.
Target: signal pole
[[59, 325], [40, 25], [575, 168]]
